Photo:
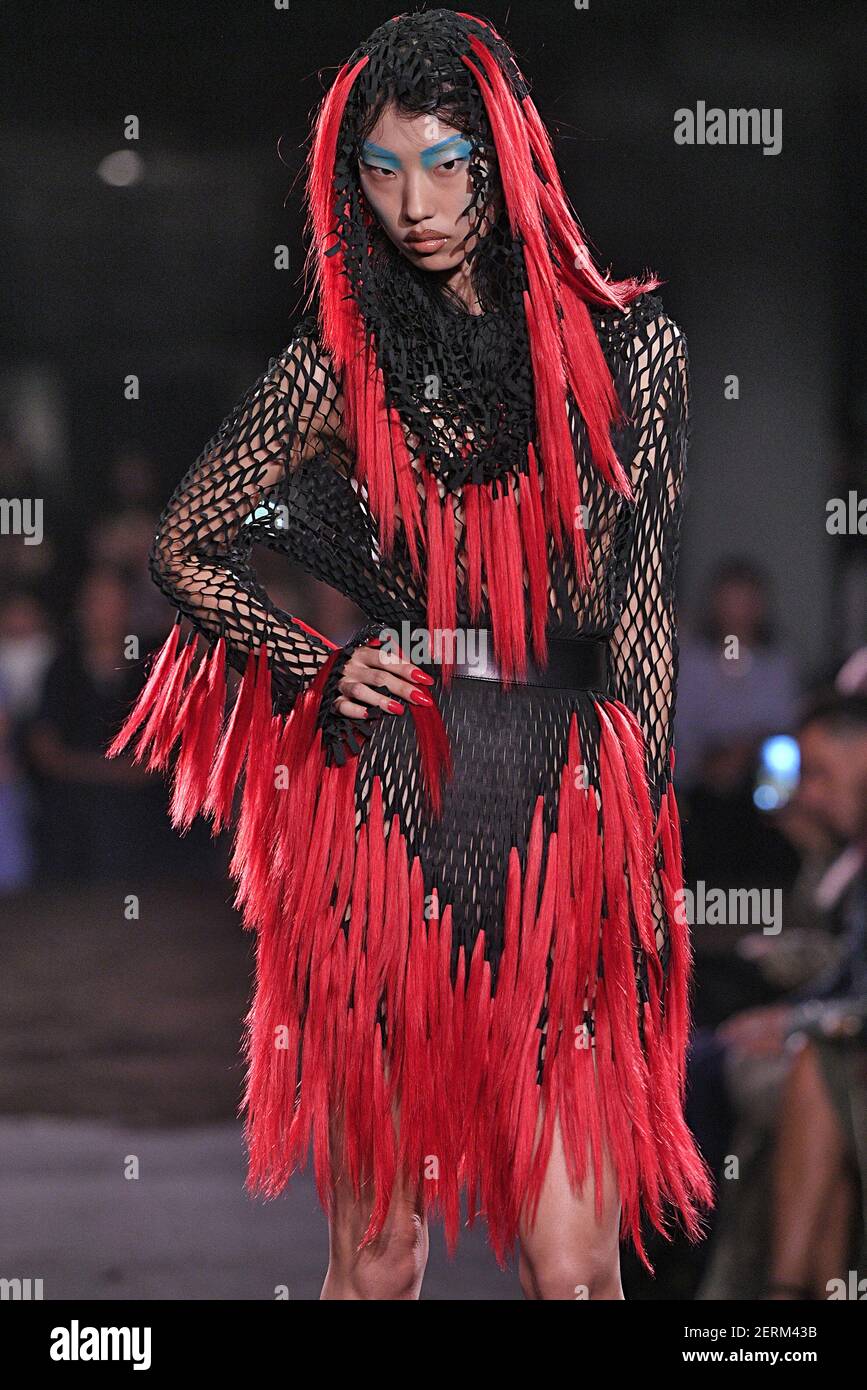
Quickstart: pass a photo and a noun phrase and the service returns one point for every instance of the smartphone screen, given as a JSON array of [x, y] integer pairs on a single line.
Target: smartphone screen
[[778, 772]]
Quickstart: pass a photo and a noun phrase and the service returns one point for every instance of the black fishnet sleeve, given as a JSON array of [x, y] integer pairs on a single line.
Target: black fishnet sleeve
[[643, 648], [230, 499]]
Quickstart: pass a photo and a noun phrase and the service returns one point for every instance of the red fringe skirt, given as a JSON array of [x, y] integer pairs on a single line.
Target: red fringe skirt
[[468, 955]]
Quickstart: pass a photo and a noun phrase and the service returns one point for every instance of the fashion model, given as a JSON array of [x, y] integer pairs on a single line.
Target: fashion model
[[456, 836]]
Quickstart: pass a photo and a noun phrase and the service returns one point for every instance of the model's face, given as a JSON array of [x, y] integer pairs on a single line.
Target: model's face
[[414, 173]]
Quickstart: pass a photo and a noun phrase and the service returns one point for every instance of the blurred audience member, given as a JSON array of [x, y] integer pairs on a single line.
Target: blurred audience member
[[18, 477], [134, 483], [121, 537], [27, 553], [852, 677], [121, 541], [27, 647], [16, 856], [737, 685], [97, 817], [795, 1072]]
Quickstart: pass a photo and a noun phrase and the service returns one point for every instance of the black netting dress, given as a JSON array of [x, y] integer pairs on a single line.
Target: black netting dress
[[474, 952]]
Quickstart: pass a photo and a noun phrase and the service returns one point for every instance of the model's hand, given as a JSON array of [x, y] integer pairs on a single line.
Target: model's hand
[[373, 678]]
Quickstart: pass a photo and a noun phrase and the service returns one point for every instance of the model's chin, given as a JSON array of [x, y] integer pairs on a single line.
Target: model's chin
[[430, 260]]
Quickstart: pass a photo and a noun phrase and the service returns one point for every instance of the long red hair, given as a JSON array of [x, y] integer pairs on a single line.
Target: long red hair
[[565, 355]]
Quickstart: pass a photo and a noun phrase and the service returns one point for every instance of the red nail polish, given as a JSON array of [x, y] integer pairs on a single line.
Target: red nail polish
[[419, 697], [421, 677], [374, 641], [395, 707]]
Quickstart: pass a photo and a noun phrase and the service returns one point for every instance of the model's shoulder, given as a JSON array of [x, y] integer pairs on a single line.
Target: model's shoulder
[[644, 316], [306, 327], [642, 336], [303, 358], [304, 337]]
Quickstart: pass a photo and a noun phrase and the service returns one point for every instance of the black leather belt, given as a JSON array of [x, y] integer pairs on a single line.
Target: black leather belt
[[579, 663]]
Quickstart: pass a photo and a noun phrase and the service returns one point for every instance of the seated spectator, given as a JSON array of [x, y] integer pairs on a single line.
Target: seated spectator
[[796, 1071], [737, 685]]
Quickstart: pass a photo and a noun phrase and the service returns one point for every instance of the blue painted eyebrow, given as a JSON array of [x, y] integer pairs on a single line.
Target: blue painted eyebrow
[[427, 155], [369, 148]]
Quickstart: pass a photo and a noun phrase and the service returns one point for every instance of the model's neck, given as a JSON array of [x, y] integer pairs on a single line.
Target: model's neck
[[460, 283]]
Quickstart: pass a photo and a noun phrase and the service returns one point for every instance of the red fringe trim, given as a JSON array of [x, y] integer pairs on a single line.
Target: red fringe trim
[[460, 1062], [213, 751]]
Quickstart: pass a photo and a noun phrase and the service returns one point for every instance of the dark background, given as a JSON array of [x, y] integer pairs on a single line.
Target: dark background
[[115, 1034]]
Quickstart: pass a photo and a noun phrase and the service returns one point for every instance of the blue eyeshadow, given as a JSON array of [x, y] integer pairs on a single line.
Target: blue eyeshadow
[[457, 147]]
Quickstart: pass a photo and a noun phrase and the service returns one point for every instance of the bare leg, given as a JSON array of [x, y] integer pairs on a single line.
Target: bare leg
[[808, 1160], [390, 1267], [831, 1247], [567, 1253]]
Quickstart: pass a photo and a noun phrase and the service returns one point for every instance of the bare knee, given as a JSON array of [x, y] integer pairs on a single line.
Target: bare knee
[[390, 1267], [556, 1271]]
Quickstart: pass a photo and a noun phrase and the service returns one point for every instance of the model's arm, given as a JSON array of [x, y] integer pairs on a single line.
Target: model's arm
[[643, 652], [200, 556], [232, 497]]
